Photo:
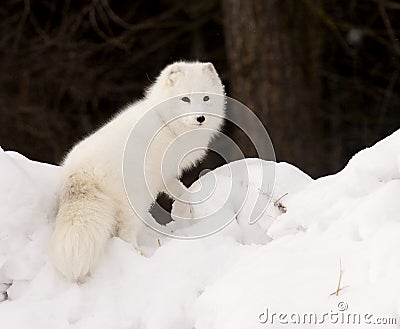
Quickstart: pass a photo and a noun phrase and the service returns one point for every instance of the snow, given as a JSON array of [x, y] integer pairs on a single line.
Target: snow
[[288, 261]]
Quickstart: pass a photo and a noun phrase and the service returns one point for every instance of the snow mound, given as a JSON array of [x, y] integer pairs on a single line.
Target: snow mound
[[251, 193], [244, 276]]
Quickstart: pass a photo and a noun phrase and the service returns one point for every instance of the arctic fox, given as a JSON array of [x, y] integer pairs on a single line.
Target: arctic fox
[[93, 204]]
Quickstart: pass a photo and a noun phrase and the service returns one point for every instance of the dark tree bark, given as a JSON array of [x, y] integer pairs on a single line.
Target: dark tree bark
[[273, 49]]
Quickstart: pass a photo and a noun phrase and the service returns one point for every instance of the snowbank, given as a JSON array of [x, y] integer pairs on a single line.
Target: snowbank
[[225, 280]]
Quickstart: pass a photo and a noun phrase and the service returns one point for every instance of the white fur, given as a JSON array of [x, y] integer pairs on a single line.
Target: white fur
[[93, 204]]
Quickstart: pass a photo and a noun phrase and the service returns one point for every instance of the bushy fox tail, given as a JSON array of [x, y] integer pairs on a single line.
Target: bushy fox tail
[[85, 221]]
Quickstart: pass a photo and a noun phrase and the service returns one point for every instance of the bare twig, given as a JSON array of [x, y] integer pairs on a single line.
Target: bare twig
[[112, 40], [328, 21], [280, 205], [388, 4], [336, 292], [281, 198], [389, 28], [25, 14]]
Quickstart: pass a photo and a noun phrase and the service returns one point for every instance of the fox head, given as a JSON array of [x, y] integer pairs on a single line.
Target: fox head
[[192, 95]]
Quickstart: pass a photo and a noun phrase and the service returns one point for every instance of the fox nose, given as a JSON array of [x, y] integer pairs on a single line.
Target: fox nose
[[201, 119]]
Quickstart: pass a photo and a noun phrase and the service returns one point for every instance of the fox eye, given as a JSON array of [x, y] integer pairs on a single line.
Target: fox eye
[[206, 98], [185, 99]]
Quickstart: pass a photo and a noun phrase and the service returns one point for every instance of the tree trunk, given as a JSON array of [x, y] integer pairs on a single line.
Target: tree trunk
[[273, 49]]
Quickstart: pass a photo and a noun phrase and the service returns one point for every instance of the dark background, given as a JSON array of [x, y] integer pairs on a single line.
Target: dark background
[[323, 76]]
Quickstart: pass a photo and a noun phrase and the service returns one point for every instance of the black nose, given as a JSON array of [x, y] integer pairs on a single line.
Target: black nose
[[201, 119]]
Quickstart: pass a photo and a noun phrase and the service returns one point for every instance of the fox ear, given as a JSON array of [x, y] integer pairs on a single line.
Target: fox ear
[[173, 75], [210, 67]]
